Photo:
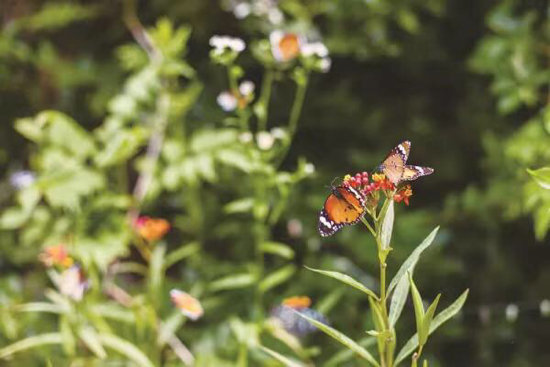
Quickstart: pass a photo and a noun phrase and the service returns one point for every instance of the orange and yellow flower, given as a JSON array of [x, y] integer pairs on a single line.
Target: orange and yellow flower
[[151, 229], [187, 304], [57, 255], [403, 194]]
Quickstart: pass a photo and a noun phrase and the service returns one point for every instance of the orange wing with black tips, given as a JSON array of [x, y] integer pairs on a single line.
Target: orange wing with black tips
[[343, 207]]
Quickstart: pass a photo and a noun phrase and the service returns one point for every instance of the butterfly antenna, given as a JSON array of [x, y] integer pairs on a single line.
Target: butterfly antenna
[[332, 183]]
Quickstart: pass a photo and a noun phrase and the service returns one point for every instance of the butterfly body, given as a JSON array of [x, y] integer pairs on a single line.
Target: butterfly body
[[344, 206], [396, 169]]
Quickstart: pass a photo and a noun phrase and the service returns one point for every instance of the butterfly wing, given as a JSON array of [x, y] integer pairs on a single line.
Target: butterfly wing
[[344, 206], [411, 173], [394, 165]]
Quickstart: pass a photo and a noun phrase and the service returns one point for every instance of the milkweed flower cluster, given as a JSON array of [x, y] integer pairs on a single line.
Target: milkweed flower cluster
[[285, 315], [151, 229], [57, 255], [187, 304]]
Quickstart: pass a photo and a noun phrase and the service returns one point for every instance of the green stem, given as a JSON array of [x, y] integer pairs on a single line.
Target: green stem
[[367, 224], [265, 96], [294, 117]]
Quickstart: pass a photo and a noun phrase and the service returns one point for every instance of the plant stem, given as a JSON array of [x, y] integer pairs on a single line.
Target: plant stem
[[265, 96], [294, 117], [367, 224]]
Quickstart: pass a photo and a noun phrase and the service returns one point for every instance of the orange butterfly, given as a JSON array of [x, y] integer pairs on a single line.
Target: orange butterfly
[[343, 207], [395, 168]]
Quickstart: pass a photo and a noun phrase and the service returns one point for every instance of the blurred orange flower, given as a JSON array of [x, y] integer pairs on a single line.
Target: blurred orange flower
[[285, 46], [151, 229], [297, 302], [57, 255], [187, 304]]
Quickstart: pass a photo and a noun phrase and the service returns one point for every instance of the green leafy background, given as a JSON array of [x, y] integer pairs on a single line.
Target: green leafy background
[[466, 82]]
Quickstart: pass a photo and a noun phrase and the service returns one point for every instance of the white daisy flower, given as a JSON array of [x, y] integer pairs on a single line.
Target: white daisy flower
[[285, 46], [325, 64], [227, 101], [265, 140], [241, 10], [222, 43], [314, 48], [278, 133], [246, 88]]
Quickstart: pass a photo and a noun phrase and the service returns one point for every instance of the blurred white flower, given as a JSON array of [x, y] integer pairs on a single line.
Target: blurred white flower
[[275, 16], [325, 64], [22, 179], [222, 43], [314, 48], [309, 168], [241, 10], [545, 307], [294, 228], [265, 140], [246, 88], [245, 137], [512, 312], [71, 283], [285, 46], [227, 101], [278, 133]]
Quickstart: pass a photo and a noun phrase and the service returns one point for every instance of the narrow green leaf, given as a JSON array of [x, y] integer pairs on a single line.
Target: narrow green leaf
[[378, 320], [181, 253], [387, 226], [441, 318], [542, 176], [343, 339], [412, 259], [156, 272], [338, 359], [89, 336], [124, 347], [345, 279], [41, 307], [428, 319], [279, 276], [169, 327], [31, 342], [233, 282], [288, 362], [244, 205], [398, 300], [277, 248], [418, 311]]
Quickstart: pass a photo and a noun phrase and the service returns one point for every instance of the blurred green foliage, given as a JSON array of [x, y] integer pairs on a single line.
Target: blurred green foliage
[[83, 104]]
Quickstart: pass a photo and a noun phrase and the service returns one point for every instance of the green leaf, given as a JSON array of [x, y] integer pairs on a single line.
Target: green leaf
[[181, 253], [41, 307], [542, 221], [124, 347], [281, 358], [442, 317], [168, 328], [411, 261], [277, 277], [398, 300], [428, 317], [418, 311], [31, 342], [243, 205], [156, 272], [277, 248], [359, 350], [345, 355], [346, 279], [542, 176], [89, 336], [378, 320], [387, 226], [233, 282]]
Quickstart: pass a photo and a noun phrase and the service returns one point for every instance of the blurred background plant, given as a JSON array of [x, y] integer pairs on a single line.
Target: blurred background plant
[[106, 121]]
